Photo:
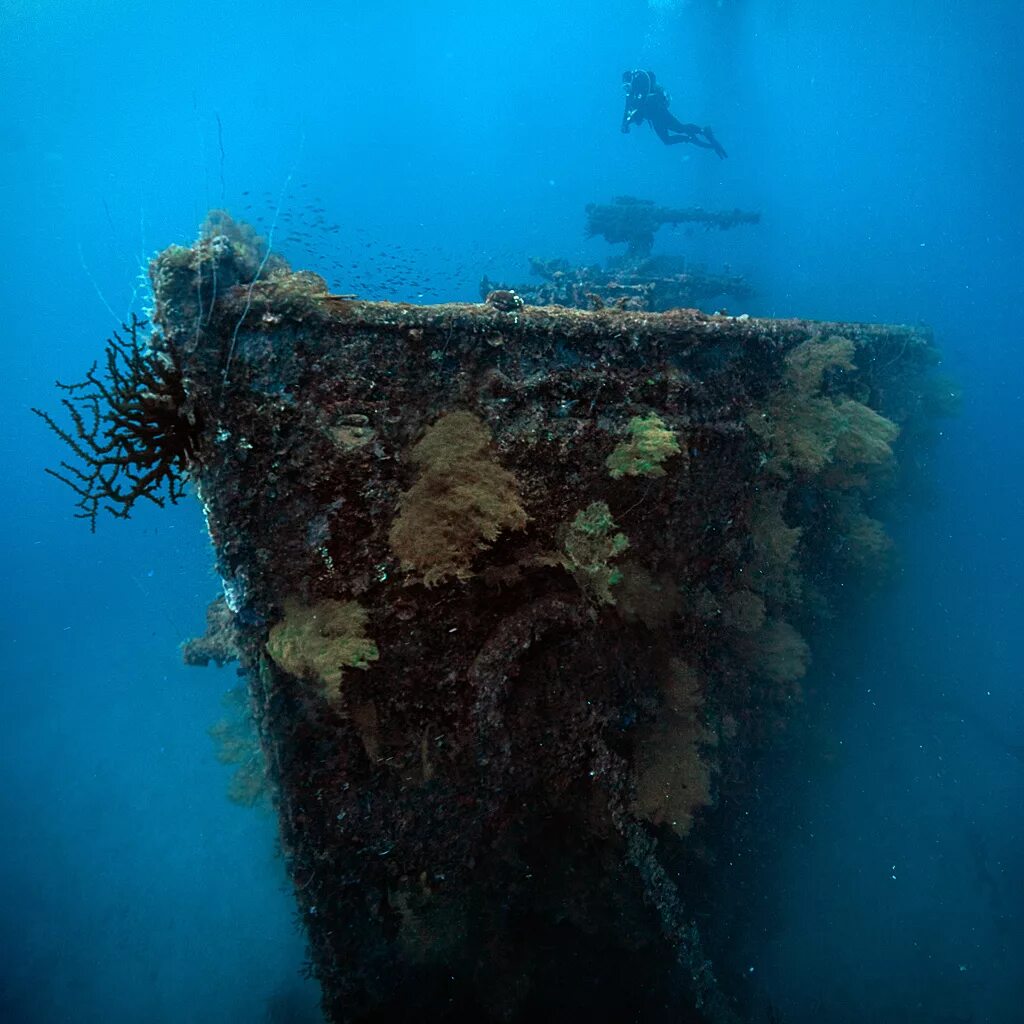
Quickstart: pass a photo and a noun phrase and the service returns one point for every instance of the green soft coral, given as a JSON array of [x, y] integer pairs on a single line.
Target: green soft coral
[[649, 445], [589, 545]]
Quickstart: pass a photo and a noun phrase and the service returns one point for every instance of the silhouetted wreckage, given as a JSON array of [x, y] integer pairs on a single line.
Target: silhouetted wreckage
[[655, 284], [635, 221], [635, 280], [522, 595]]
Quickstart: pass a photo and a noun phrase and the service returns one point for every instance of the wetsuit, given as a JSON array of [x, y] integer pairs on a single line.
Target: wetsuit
[[647, 101]]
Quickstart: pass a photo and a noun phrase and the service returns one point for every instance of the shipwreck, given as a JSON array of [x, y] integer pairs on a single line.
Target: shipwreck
[[520, 594], [637, 279]]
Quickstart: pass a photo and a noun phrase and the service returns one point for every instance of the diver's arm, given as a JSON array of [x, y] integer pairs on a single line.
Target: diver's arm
[[627, 115], [633, 113], [635, 98]]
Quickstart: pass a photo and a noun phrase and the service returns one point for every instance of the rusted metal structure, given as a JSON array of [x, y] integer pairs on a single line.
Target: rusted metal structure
[[520, 593], [635, 221], [635, 280]]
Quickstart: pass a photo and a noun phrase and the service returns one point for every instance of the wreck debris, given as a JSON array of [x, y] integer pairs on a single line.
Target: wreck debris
[[580, 546], [635, 280], [653, 285], [635, 221]]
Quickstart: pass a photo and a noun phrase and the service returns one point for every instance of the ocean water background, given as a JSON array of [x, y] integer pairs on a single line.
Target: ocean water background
[[882, 143]]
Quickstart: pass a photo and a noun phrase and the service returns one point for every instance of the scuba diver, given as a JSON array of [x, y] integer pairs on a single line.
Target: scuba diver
[[646, 100]]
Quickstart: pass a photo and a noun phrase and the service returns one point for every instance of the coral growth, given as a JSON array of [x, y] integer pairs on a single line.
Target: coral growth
[[806, 429], [218, 644], [864, 544], [649, 445], [744, 611], [589, 544], [777, 653], [130, 430], [673, 772], [808, 363], [863, 437], [247, 246], [562, 700], [642, 597], [461, 501], [504, 299], [773, 569], [237, 744], [316, 642]]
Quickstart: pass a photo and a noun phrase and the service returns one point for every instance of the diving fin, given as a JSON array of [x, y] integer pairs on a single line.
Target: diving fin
[[715, 144]]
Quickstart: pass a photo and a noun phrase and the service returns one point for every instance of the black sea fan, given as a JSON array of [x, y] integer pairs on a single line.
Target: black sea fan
[[131, 430]]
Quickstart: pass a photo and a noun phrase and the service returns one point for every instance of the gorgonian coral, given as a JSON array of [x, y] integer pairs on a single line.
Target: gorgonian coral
[[130, 430]]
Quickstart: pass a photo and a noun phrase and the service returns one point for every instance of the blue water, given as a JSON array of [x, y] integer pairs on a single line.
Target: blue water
[[882, 142]]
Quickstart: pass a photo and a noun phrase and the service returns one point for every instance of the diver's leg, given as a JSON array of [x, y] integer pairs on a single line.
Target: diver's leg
[[691, 133], [663, 122], [674, 124], [662, 132], [685, 132]]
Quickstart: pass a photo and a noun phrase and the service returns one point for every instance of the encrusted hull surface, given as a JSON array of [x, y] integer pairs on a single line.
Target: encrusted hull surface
[[521, 593]]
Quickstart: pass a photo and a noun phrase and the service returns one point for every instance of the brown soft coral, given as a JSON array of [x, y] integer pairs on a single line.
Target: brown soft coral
[[673, 767], [777, 653], [316, 642], [807, 429], [459, 504]]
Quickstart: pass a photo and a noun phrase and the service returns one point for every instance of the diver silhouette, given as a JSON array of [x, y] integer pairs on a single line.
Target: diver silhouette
[[648, 101]]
